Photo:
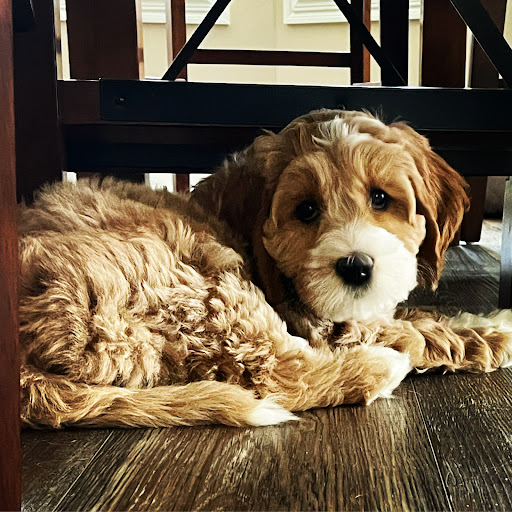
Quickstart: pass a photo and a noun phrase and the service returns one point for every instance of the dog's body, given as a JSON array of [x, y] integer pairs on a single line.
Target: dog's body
[[271, 289]]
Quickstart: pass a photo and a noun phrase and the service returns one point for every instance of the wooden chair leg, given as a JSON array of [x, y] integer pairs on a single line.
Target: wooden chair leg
[[471, 228], [482, 75], [182, 182], [35, 91], [176, 38], [10, 453], [505, 295], [105, 39]]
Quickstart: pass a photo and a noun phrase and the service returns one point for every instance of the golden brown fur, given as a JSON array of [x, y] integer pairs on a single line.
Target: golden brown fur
[[143, 308]]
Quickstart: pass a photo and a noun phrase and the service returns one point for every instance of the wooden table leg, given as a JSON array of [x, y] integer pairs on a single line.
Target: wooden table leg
[[35, 90], [505, 296], [471, 227], [10, 451]]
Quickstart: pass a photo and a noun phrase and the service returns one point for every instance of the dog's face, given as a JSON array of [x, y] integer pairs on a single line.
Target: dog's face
[[353, 209], [347, 211], [343, 225]]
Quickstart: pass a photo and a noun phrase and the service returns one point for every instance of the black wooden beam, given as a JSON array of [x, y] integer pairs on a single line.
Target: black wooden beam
[[276, 105]]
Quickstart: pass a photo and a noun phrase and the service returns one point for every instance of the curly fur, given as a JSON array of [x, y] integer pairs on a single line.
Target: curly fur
[[144, 308]]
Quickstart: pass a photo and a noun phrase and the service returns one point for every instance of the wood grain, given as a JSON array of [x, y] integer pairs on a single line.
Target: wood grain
[[469, 283], [176, 31], [349, 458], [468, 418], [471, 227], [482, 75], [10, 457], [52, 461], [360, 56]]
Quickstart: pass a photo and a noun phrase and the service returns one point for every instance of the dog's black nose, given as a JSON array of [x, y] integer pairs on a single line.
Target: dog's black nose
[[355, 270]]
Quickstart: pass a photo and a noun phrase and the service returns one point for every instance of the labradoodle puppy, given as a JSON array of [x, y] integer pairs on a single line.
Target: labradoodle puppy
[[272, 288]]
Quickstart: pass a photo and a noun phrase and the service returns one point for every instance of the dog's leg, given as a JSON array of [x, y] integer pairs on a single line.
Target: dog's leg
[[49, 400], [466, 341], [305, 378]]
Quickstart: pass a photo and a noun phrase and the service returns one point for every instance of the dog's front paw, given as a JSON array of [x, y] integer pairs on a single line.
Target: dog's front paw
[[394, 368]]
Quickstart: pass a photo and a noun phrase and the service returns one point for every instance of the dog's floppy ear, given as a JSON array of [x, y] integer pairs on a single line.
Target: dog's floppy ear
[[241, 188], [240, 193], [441, 197]]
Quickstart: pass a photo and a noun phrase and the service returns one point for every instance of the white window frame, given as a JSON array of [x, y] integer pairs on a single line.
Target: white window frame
[[153, 11], [298, 12]]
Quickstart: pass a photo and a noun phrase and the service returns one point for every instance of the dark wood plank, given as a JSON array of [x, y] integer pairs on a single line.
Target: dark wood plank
[[105, 39], [349, 458], [272, 58], [10, 458], [394, 37], [360, 66], [488, 35], [35, 76], [176, 31], [444, 60], [471, 260], [468, 417], [444, 45], [182, 182], [79, 102], [276, 105], [52, 461]]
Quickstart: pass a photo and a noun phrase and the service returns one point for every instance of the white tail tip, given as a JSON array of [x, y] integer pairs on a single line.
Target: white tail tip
[[267, 412]]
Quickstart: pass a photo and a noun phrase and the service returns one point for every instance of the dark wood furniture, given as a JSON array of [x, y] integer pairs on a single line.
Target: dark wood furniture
[[183, 52], [10, 458], [444, 65], [137, 125], [105, 39], [187, 52]]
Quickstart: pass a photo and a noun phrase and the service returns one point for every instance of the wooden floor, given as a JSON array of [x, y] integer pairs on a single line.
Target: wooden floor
[[443, 443]]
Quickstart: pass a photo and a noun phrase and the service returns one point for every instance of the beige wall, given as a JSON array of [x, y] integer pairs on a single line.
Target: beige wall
[[259, 25]]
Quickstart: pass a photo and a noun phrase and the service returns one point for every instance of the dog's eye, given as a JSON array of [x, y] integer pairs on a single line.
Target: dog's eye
[[307, 211], [379, 198]]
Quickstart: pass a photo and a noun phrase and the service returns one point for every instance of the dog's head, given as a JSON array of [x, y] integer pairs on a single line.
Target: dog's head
[[347, 211]]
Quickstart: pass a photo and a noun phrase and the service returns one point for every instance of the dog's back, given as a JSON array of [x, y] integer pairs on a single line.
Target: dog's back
[[114, 282]]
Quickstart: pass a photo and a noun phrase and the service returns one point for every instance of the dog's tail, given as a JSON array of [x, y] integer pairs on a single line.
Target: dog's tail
[[49, 400]]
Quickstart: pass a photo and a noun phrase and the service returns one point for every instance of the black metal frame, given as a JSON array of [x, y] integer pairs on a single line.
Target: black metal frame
[[185, 129], [471, 11]]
